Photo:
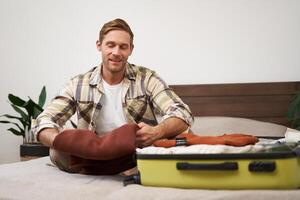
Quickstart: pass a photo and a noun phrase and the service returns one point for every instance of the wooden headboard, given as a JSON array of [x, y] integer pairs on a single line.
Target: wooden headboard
[[261, 101]]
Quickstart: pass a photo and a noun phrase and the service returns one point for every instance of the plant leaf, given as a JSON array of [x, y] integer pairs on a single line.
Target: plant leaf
[[11, 116], [21, 112], [32, 108], [5, 122], [16, 132], [36, 113], [293, 113], [42, 97], [9, 122], [15, 100], [18, 118]]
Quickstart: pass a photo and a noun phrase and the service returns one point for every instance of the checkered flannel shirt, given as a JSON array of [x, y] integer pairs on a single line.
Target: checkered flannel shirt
[[145, 97]]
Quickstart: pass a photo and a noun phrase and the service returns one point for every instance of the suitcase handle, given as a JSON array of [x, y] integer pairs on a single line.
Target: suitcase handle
[[207, 166]]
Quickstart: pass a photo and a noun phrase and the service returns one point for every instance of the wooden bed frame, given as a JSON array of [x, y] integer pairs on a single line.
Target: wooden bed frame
[[261, 101]]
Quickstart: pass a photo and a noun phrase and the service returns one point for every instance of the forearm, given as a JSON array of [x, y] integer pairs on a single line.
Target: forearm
[[171, 127], [49, 122], [58, 112], [47, 136]]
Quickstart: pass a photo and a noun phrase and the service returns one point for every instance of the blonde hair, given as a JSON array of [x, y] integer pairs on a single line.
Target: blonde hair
[[116, 24]]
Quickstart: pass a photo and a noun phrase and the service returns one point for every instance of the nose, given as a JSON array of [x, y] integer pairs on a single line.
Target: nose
[[116, 50]]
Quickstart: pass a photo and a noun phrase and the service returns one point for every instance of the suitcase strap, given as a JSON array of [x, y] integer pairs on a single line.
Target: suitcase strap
[[180, 141]]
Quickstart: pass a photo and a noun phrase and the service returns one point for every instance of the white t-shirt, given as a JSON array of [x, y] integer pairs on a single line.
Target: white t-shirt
[[111, 114]]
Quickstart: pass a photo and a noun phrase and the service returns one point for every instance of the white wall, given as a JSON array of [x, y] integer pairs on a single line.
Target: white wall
[[185, 41]]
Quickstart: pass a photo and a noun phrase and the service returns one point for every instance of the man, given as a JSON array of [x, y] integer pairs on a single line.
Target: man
[[115, 93]]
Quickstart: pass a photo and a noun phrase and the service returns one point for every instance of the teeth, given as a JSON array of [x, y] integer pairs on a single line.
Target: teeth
[[115, 60]]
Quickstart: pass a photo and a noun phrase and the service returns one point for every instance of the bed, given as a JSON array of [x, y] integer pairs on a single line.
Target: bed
[[38, 179], [254, 108]]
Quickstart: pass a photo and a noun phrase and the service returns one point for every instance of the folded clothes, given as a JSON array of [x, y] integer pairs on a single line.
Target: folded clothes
[[87, 145], [187, 139]]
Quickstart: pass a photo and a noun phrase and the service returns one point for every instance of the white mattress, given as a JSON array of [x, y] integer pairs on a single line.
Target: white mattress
[[39, 179]]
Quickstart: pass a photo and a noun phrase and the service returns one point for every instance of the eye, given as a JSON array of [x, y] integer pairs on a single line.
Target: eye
[[124, 46], [110, 44]]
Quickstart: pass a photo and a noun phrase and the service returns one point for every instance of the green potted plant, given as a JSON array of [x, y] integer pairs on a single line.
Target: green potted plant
[[21, 125], [293, 114]]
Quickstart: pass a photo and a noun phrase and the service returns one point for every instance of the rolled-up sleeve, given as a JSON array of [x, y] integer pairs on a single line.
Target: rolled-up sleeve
[[55, 115], [166, 102]]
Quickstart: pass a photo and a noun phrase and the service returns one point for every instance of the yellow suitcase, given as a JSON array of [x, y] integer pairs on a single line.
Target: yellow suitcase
[[265, 170]]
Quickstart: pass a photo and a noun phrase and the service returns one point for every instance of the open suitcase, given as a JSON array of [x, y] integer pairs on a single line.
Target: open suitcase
[[264, 170]]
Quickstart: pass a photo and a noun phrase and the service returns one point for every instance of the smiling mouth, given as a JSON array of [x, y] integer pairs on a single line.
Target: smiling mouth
[[115, 61]]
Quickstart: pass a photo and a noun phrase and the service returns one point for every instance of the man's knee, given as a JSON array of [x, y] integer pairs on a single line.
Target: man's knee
[[60, 159]]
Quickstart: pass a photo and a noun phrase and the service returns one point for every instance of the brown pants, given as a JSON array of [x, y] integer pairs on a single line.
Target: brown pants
[[63, 162]]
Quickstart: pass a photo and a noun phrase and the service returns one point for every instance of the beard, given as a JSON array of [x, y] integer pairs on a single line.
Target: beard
[[114, 65]]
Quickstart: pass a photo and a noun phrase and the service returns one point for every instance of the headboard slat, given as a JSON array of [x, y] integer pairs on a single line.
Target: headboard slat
[[262, 101], [237, 89]]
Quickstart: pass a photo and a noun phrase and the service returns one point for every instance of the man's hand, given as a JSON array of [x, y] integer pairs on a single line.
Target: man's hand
[[168, 128], [47, 136], [147, 134]]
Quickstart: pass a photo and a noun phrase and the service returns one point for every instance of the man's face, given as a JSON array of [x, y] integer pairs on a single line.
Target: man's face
[[115, 49]]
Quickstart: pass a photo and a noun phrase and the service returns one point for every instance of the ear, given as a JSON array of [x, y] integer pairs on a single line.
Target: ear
[[98, 45], [131, 46]]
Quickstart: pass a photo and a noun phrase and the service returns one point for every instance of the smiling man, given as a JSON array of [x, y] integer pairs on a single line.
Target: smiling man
[[116, 93]]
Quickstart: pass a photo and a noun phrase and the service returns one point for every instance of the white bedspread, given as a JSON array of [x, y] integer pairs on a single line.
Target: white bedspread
[[38, 179]]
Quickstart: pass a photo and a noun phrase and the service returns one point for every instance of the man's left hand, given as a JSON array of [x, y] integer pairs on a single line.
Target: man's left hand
[[147, 134]]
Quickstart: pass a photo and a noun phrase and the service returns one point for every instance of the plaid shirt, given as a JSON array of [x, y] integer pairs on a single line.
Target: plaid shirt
[[145, 97]]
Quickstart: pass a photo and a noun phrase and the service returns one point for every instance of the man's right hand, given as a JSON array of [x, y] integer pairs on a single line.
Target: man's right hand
[[47, 136]]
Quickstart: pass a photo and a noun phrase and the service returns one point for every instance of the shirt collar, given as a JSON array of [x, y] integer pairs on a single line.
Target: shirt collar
[[130, 73], [96, 77]]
